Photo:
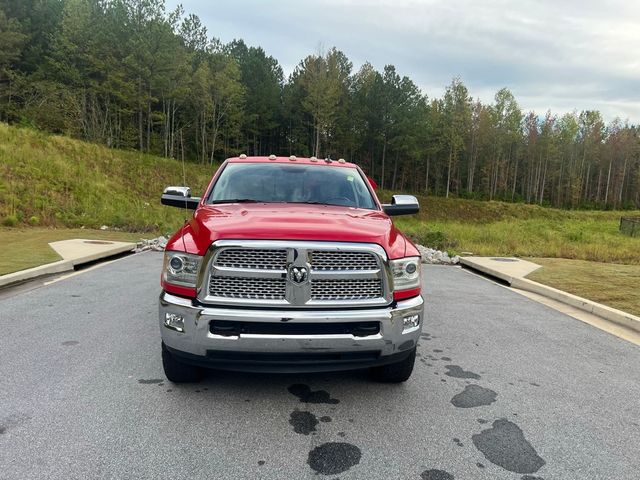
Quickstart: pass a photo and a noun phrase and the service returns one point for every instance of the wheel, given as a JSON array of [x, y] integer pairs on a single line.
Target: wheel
[[178, 372], [395, 372]]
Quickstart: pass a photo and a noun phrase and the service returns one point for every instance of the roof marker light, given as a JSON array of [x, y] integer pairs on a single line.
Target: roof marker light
[[314, 159], [272, 157], [243, 156], [341, 160], [293, 158]]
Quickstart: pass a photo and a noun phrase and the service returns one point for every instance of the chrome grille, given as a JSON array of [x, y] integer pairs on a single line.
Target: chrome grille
[[252, 258], [322, 260], [248, 288], [348, 289], [258, 273]]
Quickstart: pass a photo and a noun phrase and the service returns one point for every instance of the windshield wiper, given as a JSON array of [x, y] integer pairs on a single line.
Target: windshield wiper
[[236, 200]]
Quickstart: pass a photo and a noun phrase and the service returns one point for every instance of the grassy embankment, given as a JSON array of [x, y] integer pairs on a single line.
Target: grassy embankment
[[499, 228], [49, 181], [53, 181]]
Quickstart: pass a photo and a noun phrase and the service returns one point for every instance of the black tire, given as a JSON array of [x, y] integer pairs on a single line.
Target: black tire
[[178, 372], [395, 372]]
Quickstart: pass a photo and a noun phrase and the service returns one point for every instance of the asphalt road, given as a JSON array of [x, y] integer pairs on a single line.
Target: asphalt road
[[504, 388]]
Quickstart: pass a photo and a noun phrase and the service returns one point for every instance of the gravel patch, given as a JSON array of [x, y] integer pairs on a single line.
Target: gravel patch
[[157, 244], [436, 257]]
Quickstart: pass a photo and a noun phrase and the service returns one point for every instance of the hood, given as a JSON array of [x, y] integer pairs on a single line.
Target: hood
[[282, 221]]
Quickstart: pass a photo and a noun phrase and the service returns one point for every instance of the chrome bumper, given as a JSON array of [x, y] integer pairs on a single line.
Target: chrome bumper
[[197, 344]]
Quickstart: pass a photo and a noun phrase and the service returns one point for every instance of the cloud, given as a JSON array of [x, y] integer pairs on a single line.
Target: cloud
[[560, 55]]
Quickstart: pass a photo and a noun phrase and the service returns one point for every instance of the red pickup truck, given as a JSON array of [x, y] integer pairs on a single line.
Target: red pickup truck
[[287, 265]]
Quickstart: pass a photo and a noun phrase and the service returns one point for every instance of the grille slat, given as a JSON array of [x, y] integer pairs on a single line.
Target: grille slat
[[358, 289], [252, 258], [248, 288], [322, 260]]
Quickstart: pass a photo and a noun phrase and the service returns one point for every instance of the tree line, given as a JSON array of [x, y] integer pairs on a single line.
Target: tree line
[[130, 74]]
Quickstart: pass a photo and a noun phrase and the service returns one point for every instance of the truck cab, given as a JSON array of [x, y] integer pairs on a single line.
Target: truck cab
[[289, 265]]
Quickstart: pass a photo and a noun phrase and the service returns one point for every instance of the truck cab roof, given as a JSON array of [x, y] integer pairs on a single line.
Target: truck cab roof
[[291, 159]]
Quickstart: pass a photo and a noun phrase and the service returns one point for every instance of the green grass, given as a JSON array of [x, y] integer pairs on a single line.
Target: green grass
[[513, 229], [23, 248], [50, 180], [615, 285]]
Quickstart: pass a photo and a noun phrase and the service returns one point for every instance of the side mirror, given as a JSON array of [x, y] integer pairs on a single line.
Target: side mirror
[[179, 197], [373, 183], [402, 205]]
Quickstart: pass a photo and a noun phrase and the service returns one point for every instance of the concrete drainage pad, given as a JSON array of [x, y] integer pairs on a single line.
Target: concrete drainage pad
[[82, 250]]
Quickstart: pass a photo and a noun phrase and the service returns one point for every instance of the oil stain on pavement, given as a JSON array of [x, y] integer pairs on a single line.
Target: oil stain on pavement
[[70, 343], [334, 457], [7, 423], [504, 445], [303, 422], [458, 372], [306, 395], [149, 381], [436, 475], [474, 396]]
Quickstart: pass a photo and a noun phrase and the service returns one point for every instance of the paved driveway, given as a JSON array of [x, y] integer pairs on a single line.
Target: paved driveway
[[504, 388]]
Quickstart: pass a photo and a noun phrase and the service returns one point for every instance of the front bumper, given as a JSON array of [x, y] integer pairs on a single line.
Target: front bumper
[[289, 353]]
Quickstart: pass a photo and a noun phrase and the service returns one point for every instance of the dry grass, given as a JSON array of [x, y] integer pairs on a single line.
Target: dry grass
[[615, 285]]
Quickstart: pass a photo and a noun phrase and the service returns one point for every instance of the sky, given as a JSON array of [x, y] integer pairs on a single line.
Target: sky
[[552, 54]]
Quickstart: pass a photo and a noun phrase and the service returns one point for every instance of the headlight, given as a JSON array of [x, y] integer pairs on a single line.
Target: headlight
[[181, 268], [406, 273]]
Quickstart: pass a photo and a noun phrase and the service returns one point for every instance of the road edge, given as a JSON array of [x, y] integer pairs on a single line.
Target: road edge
[[31, 273], [610, 314]]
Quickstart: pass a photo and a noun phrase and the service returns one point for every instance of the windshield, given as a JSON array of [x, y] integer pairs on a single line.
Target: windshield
[[316, 184]]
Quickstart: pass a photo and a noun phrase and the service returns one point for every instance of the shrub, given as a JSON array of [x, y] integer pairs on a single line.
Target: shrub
[[10, 221], [435, 239]]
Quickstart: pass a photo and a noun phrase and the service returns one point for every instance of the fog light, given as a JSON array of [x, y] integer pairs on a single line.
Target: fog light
[[412, 321], [174, 322]]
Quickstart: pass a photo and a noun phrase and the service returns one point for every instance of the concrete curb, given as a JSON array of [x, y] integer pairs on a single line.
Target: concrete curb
[[467, 262], [74, 252], [40, 271], [611, 314]]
